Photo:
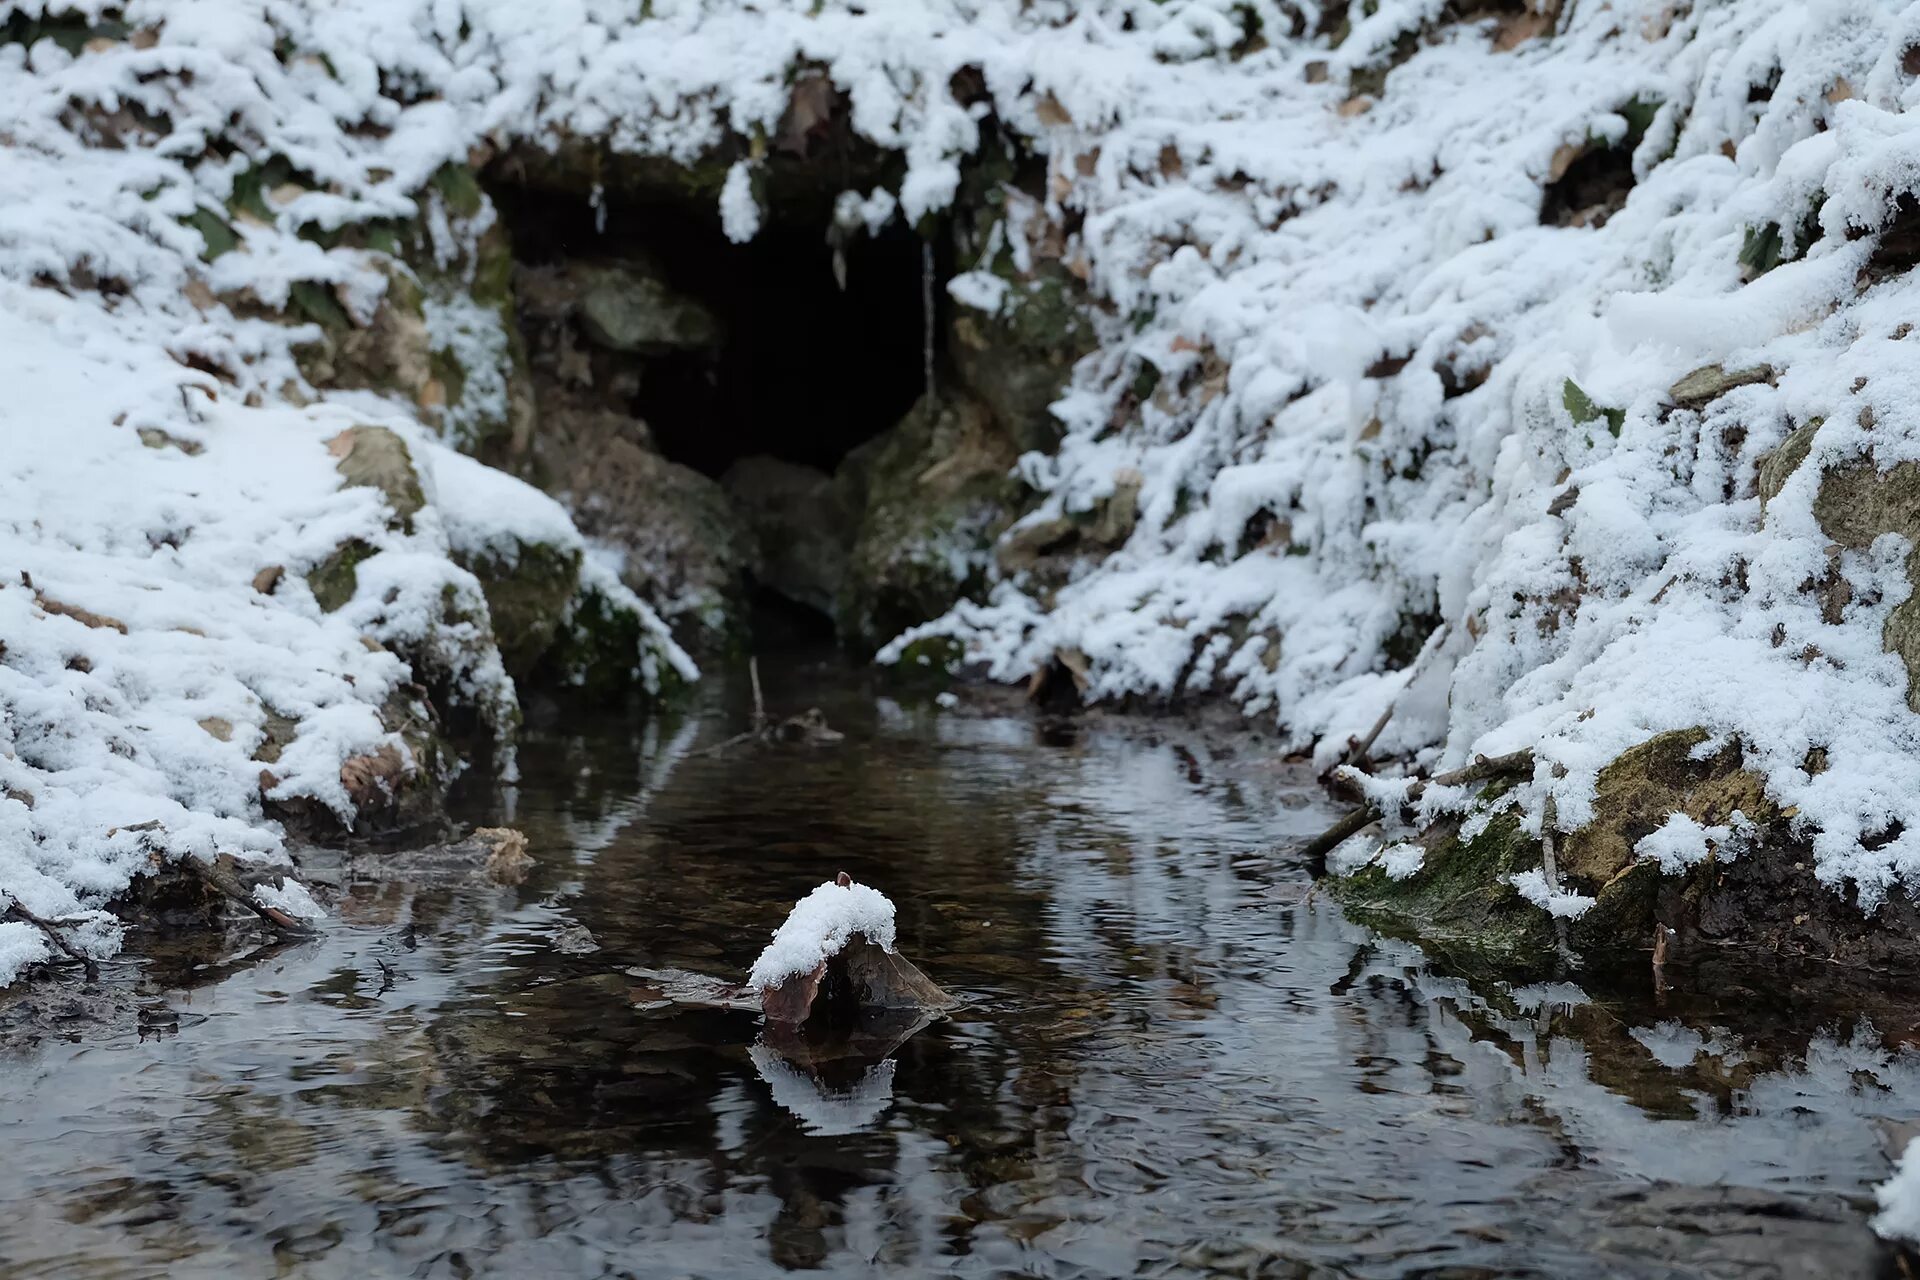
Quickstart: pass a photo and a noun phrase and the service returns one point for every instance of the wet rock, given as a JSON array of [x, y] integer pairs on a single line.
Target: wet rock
[[801, 529], [1459, 903], [933, 494], [390, 790], [575, 940], [687, 549], [859, 982]]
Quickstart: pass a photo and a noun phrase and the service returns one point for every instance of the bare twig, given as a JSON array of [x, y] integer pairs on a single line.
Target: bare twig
[[18, 911], [759, 705], [1357, 751], [1482, 769], [230, 887], [1315, 851]]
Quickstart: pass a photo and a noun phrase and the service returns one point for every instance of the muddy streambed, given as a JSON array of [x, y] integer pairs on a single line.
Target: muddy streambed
[[1169, 1063]]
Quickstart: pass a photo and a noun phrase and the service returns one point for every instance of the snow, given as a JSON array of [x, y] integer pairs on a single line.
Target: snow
[[820, 925], [1358, 323], [1533, 886], [291, 897], [1899, 1199]]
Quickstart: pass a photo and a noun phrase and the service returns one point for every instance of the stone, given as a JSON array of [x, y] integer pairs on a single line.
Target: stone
[[1784, 459], [687, 549], [628, 307], [1857, 503], [1017, 359], [926, 532], [1709, 382], [379, 459], [1646, 784], [802, 530], [527, 594]]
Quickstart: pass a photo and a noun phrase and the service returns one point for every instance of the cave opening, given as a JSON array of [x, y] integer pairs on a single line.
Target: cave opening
[[796, 346]]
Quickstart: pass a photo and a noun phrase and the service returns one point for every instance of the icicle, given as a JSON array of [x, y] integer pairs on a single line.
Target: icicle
[[597, 198], [926, 315]]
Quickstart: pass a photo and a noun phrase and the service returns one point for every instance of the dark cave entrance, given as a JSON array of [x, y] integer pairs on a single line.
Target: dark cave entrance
[[808, 362]]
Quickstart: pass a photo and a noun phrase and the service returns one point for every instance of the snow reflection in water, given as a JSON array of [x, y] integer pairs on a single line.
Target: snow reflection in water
[[1165, 1064]]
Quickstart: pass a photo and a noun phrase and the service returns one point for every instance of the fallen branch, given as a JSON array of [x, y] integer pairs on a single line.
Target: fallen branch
[[1357, 750], [227, 885], [1482, 769], [18, 911], [759, 705]]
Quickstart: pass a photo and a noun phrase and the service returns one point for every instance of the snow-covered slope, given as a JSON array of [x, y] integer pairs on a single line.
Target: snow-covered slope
[[1381, 355]]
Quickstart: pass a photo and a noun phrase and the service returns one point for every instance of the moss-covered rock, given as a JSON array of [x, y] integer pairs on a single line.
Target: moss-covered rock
[[628, 307], [527, 596], [377, 458], [1857, 503], [395, 787], [334, 580], [933, 494], [1460, 901], [1646, 785], [442, 337], [687, 549], [1778, 466], [604, 647], [1018, 357]]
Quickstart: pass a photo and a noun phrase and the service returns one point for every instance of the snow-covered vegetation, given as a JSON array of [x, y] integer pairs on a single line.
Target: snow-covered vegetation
[[1540, 369]]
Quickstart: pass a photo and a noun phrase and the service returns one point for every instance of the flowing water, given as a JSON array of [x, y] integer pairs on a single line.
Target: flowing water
[[1170, 1060]]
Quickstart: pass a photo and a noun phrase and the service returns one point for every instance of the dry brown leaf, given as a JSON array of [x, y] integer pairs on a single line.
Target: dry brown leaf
[[1051, 113], [85, 617]]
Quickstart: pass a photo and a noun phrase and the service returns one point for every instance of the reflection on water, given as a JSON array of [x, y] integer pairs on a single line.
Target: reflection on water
[[1167, 1063]]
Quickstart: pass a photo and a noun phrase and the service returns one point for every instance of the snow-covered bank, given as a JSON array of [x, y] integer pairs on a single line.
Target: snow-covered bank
[[1481, 328]]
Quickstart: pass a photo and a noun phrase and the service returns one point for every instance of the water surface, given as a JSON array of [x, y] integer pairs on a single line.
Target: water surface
[[1171, 1060]]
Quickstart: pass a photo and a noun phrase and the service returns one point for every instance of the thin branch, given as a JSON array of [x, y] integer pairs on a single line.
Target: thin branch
[[759, 705], [1315, 851], [1357, 751], [1482, 769], [17, 910], [231, 888]]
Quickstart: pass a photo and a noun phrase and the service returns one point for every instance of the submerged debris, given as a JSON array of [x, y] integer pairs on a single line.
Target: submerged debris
[[833, 962], [830, 983], [809, 727]]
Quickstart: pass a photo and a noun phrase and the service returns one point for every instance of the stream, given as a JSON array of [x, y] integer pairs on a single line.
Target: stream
[[1171, 1060]]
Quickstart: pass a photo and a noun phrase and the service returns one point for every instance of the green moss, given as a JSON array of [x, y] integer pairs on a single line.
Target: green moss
[[1459, 902], [527, 596], [219, 236], [459, 188], [932, 658], [316, 302], [66, 28], [334, 580], [603, 649]]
